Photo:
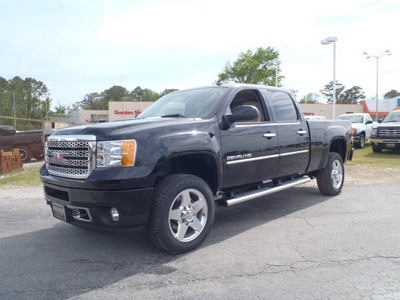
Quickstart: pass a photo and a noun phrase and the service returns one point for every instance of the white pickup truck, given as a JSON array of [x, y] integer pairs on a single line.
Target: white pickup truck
[[362, 127]]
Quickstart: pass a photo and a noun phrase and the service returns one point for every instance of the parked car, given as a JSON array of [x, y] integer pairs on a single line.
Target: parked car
[[362, 126], [315, 118], [30, 143], [387, 134], [188, 151]]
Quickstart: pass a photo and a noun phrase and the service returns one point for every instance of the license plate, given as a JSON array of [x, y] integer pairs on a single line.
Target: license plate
[[59, 211], [391, 145]]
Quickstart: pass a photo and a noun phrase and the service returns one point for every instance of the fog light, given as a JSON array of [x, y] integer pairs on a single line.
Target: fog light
[[114, 214]]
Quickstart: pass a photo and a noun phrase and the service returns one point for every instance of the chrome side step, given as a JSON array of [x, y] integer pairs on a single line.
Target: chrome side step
[[263, 192]]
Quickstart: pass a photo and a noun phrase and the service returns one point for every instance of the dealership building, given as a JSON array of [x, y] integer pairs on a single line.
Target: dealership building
[[120, 110]]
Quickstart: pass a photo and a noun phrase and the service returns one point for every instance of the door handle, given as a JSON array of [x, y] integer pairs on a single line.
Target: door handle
[[269, 135], [301, 132]]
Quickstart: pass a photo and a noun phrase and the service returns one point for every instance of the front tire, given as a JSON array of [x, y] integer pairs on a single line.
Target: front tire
[[39, 156], [331, 178], [361, 143], [182, 213], [376, 149]]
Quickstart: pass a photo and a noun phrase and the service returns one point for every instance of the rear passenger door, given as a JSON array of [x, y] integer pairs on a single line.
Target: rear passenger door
[[292, 132]]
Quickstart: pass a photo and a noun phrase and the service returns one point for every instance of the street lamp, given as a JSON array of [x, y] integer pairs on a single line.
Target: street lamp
[[276, 73], [384, 53], [327, 41]]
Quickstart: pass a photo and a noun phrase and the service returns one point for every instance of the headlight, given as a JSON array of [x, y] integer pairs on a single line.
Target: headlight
[[374, 132], [116, 153]]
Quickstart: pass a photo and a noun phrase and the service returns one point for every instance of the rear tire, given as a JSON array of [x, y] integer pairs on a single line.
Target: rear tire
[[331, 178], [26, 154], [182, 213]]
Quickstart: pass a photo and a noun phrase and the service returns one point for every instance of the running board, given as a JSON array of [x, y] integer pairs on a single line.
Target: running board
[[264, 191]]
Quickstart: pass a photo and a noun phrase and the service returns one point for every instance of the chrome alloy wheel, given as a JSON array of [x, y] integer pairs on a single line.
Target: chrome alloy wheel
[[187, 215], [336, 174]]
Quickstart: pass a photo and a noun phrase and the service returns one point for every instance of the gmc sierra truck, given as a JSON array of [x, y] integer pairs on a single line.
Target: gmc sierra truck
[[190, 150], [387, 134]]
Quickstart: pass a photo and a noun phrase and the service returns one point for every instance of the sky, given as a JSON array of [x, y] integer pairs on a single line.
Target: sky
[[77, 47]]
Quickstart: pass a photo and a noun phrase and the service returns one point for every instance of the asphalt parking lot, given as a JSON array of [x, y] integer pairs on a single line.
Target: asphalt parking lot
[[296, 244]]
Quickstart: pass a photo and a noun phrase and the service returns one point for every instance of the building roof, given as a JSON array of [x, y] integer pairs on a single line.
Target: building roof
[[384, 105]]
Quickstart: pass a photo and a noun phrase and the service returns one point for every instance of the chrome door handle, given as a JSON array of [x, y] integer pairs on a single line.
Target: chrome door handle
[[269, 135], [301, 132]]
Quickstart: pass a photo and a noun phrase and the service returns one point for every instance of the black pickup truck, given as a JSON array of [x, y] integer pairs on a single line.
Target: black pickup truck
[[190, 150], [30, 143]]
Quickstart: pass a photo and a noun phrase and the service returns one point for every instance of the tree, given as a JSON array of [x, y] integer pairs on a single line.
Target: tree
[[149, 95], [310, 98], [167, 91], [391, 94], [115, 93], [94, 101], [328, 91], [253, 68], [351, 96], [61, 110], [31, 97]]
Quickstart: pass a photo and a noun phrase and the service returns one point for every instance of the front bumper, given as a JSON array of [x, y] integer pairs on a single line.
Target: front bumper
[[89, 201], [392, 144], [92, 207]]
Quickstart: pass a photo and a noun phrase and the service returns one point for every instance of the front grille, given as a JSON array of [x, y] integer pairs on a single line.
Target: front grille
[[71, 157], [389, 132]]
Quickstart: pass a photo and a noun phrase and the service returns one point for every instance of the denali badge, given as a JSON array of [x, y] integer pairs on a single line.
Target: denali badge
[[240, 156], [57, 157]]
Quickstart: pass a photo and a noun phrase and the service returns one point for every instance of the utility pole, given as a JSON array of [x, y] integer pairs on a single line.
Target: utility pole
[[15, 120]]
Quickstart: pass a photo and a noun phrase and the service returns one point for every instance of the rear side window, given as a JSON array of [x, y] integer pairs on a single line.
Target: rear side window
[[283, 107]]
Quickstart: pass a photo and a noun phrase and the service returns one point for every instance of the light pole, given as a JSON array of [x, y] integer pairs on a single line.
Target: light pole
[[327, 41], [276, 73], [384, 53]]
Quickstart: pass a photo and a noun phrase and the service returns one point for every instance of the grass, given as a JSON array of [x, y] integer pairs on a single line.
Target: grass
[[387, 159], [26, 178], [366, 157]]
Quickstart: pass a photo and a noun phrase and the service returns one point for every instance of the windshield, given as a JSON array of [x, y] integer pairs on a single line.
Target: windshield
[[196, 103], [394, 116], [352, 118]]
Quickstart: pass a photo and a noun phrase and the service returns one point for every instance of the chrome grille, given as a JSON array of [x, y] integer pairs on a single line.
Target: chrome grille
[[69, 156], [389, 132]]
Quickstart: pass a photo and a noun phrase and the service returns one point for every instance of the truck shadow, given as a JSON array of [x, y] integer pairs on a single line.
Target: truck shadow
[[64, 261]]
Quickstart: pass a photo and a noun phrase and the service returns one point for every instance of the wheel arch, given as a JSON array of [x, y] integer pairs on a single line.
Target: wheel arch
[[338, 146], [203, 165]]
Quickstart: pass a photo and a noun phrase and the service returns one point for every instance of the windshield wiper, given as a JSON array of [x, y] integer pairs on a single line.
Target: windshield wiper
[[173, 116]]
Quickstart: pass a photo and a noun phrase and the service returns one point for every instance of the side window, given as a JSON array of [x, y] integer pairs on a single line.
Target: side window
[[283, 107], [248, 97]]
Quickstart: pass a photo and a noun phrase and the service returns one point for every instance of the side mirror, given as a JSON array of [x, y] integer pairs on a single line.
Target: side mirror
[[369, 122], [242, 113]]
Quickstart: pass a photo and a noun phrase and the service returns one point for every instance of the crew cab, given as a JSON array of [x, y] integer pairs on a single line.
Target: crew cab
[[362, 126], [387, 134], [30, 143], [192, 149]]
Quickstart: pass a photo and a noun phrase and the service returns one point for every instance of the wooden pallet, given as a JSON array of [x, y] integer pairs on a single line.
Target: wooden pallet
[[10, 161]]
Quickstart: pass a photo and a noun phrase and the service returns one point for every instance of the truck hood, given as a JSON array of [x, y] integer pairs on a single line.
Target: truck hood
[[127, 128], [389, 124]]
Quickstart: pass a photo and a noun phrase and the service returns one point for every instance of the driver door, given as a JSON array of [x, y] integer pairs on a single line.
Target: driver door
[[250, 149]]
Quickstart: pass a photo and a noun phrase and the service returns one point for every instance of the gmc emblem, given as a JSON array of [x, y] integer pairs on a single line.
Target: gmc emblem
[[57, 157]]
